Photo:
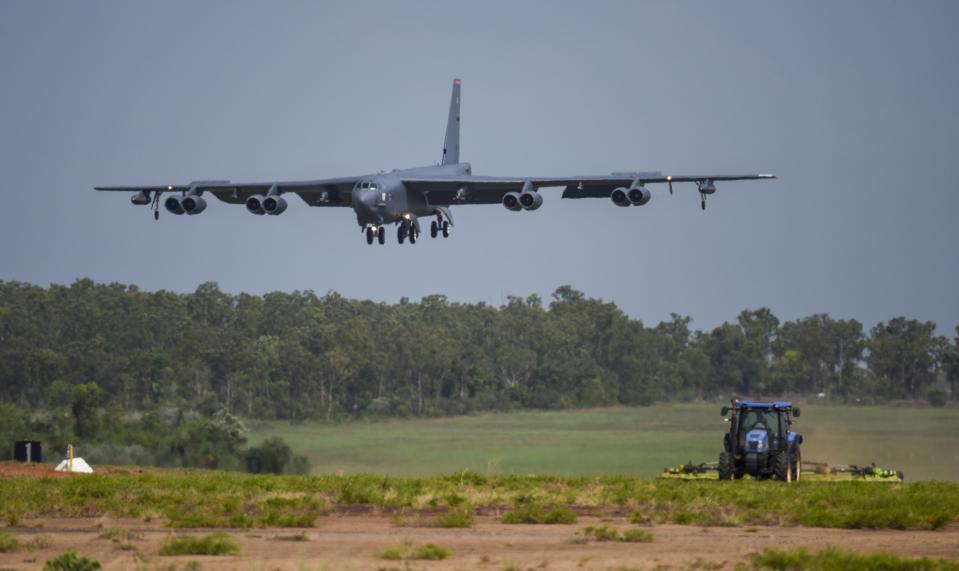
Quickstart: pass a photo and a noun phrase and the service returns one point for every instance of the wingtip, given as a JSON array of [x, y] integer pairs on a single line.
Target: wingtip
[[767, 176]]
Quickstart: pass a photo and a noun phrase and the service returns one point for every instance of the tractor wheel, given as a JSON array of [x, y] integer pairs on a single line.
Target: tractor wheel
[[781, 467], [796, 466], [727, 468]]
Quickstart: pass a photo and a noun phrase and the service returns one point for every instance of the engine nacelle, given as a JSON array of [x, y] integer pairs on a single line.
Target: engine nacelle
[[639, 195], [274, 204], [173, 206], [620, 197], [707, 187], [530, 200], [511, 201], [141, 198], [193, 204], [254, 205]]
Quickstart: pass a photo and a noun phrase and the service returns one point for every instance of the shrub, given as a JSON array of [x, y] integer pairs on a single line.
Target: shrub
[[460, 516], [214, 544], [937, 398], [602, 533], [8, 542], [396, 552], [71, 561], [300, 466], [833, 559], [430, 552], [270, 457], [406, 551], [605, 533], [528, 512], [637, 535]]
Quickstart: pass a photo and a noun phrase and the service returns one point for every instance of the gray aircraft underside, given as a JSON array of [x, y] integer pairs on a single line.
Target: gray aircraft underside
[[402, 196]]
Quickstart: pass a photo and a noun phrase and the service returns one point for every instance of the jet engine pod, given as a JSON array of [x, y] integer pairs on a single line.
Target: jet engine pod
[[511, 201], [193, 204], [254, 205], [620, 197], [173, 206], [639, 195], [141, 198], [530, 200], [274, 204]]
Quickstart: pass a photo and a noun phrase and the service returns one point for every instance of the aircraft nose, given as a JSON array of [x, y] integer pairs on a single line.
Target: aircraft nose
[[368, 202]]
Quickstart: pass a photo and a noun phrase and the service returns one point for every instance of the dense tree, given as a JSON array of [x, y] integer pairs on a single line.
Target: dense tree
[[904, 353], [818, 354], [70, 353], [951, 365]]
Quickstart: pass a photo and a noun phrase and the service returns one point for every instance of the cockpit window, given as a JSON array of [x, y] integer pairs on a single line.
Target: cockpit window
[[365, 185]]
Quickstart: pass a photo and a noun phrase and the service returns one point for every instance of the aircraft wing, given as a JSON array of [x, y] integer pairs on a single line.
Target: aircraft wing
[[490, 190], [323, 192]]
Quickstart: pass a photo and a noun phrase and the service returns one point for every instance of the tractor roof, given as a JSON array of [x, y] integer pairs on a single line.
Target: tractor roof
[[774, 404]]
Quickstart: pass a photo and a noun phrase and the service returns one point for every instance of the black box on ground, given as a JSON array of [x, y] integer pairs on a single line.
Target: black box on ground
[[27, 451]]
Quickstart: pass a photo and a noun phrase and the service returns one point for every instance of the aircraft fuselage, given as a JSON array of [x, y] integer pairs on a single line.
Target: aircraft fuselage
[[382, 199]]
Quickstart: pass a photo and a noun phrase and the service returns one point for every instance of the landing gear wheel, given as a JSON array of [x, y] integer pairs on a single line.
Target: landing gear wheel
[[446, 228], [434, 229], [401, 233], [369, 234], [727, 468], [781, 467], [412, 235], [381, 235], [156, 214], [704, 204]]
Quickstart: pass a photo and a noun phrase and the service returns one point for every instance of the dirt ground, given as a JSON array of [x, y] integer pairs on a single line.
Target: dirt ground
[[352, 541]]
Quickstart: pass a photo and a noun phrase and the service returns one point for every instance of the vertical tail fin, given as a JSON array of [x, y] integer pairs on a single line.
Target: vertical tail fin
[[451, 145]]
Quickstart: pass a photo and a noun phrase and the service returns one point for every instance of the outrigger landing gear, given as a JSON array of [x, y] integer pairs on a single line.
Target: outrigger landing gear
[[703, 197], [155, 205]]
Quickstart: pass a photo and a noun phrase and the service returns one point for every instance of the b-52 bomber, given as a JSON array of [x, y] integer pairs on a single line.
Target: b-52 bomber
[[403, 196]]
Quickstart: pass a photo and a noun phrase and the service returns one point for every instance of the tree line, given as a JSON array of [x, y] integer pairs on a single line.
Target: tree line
[[300, 356]]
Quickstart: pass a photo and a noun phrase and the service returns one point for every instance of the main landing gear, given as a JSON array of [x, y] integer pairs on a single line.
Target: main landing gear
[[439, 225], [374, 232], [406, 230]]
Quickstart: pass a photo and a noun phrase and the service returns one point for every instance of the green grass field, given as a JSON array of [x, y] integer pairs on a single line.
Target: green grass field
[[210, 499], [923, 442]]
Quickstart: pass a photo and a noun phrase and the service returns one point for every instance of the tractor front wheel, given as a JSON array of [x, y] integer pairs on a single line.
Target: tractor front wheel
[[781, 466], [727, 468]]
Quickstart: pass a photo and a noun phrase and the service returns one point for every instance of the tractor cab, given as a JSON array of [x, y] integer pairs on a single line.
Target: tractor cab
[[760, 441]]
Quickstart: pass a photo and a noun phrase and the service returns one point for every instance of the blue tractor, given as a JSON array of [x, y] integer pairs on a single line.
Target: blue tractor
[[760, 442]]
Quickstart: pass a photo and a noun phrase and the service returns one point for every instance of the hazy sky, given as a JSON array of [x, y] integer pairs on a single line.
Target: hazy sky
[[852, 104]]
